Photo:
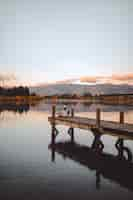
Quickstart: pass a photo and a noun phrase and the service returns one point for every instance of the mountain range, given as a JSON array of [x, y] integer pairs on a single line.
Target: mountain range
[[79, 89]]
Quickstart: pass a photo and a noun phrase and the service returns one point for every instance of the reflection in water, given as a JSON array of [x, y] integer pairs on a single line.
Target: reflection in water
[[17, 107], [97, 144], [26, 171], [14, 107], [122, 149], [83, 106], [118, 168]]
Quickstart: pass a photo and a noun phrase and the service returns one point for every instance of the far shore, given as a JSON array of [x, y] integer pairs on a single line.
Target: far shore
[[119, 99], [20, 99]]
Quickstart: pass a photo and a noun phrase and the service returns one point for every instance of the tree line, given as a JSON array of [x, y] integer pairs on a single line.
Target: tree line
[[15, 91]]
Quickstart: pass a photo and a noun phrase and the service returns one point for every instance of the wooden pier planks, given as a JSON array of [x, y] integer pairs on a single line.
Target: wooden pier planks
[[86, 123]]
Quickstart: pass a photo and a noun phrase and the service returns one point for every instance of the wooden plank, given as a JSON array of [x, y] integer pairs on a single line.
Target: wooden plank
[[86, 123]]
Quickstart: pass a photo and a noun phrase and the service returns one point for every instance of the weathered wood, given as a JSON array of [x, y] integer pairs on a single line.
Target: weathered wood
[[115, 128], [98, 117], [53, 111], [72, 112], [121, 117], [71, 133]]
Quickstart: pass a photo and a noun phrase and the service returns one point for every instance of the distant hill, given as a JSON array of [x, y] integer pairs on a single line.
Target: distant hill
[[60, 89]]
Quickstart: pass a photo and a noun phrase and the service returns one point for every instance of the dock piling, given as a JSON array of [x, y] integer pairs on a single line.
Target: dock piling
[[72, 112], [98, 117], [71, 133], [53, 111], [121, 117]]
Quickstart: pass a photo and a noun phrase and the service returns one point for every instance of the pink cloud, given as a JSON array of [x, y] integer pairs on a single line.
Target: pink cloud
[[123, 77], [90, 79], [114, 79]]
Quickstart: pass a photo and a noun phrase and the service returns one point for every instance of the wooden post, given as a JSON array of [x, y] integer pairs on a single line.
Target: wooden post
[[53, 125], [53, 143], [72, 112], [53, 134], [72, 135], [121, 117], [98, 117], [53, 111]]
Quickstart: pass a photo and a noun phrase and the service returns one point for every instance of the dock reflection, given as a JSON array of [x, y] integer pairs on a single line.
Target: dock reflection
[[117, 168], [20, 108]]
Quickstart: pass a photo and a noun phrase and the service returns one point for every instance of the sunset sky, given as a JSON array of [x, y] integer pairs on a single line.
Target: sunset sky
[[50, 40]]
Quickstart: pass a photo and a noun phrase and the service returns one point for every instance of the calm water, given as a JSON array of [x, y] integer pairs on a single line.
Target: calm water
[[31, 169]]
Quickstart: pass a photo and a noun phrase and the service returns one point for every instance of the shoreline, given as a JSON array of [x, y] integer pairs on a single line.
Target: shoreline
[[106, 100], [20, 99]]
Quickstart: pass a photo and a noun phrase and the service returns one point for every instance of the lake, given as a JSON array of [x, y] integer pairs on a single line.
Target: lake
[[31, 169]]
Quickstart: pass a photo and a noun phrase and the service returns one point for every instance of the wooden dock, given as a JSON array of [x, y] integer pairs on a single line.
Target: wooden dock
[[117, 168], [86, 123], [120, 128]]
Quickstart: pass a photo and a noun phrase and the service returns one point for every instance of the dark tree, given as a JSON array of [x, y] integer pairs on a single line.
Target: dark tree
[[15, 91]]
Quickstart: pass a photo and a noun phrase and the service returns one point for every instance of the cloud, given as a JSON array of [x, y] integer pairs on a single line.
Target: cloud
[[90, 79], [67, 81], [123, 77], [7, 78], [113, 79]]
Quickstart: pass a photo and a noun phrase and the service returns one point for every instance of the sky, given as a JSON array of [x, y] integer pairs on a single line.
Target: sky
[[51, 40]]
